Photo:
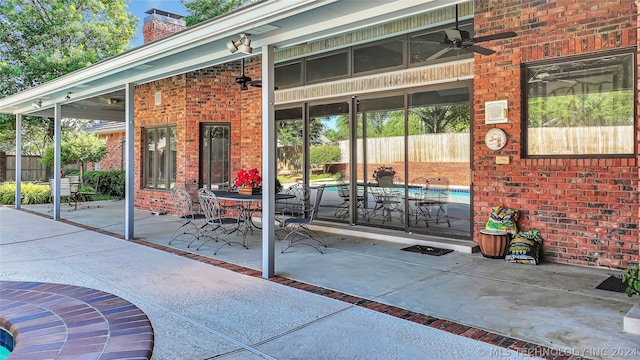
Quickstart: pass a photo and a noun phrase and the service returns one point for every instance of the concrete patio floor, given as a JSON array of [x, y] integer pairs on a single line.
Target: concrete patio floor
[[552, 305]]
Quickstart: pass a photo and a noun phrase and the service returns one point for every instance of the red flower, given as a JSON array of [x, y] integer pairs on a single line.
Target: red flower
[[249, 178]]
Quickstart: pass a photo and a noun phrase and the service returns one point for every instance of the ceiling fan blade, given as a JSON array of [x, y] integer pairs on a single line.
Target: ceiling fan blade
[[422, 42], [438, 54], [503, 35], [480, 49], [256, 83]]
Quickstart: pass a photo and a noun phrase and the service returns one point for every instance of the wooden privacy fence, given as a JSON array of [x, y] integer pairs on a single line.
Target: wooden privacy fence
[[32, 168], [427, 148]]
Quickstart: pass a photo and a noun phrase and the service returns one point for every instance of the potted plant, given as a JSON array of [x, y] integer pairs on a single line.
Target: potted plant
[[631, 322], [384, 175], [249, 182], [631, 277]]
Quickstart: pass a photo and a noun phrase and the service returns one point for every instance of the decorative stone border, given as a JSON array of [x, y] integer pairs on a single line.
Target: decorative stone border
[[55, 321]]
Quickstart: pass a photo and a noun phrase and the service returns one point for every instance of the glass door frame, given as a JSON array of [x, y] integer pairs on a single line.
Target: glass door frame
[[352, 218]]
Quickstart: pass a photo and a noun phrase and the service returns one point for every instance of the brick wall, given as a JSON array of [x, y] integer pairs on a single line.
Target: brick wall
[[586, 209], [207, 95], [157, 29], [113, 161]]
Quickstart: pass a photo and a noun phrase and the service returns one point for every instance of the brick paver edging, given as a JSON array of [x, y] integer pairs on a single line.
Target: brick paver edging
[[64, 322], [521, 346]]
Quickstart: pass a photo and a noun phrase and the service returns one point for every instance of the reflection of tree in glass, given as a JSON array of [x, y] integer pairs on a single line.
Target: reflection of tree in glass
[[604, 109], [439, 119]]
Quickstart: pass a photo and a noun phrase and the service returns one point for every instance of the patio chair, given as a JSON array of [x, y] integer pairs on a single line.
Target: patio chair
[[193, 222], [65, 192], [221, 220], [293, 206], [387, 200], [342, 210], [297, 226], [433, 203]]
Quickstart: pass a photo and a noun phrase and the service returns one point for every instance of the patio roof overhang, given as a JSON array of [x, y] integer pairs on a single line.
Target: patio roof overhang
[[83, 94]]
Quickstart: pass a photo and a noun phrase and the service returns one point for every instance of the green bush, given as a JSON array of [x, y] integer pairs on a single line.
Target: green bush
[[32, 193], [324, 155], [86, 189], [110, 183]]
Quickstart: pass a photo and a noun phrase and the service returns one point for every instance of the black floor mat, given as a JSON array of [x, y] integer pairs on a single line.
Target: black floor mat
[[429, 250], [613, 283]]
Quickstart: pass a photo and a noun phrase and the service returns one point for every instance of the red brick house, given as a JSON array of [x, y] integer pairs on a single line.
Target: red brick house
[[389, 91]]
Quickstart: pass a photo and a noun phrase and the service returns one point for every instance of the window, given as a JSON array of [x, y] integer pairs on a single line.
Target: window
[[215, 155], [160, 157], [377, 56], [327, 67], [416, 49], [289, 74], [580, 105]]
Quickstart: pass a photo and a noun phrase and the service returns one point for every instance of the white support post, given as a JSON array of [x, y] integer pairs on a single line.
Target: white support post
[[18, 161], [129, 163], [57, 143], [268, 163]]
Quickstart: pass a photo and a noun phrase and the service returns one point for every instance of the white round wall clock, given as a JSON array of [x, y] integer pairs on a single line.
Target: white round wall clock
[[495, 139]]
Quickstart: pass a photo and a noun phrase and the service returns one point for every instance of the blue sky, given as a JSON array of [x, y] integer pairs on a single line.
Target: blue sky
[[138, 8]]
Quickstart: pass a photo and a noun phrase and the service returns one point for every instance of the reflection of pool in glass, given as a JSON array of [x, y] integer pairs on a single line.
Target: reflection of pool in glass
[[460, 196], [6, 344]]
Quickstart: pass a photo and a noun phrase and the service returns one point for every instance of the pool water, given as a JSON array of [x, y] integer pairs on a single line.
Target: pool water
[[6, 344], [455, 195], [4, 353]]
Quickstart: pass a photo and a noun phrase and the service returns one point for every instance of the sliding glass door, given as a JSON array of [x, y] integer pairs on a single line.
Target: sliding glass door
[[399, 160]]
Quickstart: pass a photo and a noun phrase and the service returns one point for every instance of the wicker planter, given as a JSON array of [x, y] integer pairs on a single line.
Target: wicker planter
[[245, 190]]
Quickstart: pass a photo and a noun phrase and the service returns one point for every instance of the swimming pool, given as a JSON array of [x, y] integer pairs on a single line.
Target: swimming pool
[[7, 343], [456, 195]]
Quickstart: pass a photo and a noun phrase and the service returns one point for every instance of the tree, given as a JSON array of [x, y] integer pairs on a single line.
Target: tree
[[324, 155], [41, 40], [201, 10], [78, 148]]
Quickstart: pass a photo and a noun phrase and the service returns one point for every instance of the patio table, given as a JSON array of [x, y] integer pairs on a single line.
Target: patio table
[[245, 205]]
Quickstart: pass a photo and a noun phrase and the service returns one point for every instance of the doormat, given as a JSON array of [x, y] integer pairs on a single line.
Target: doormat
[[429, 250], [613, 283]]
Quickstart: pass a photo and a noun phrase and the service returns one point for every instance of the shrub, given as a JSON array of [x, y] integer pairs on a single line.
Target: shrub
[[32, 193], [323, 156], [110, 183]]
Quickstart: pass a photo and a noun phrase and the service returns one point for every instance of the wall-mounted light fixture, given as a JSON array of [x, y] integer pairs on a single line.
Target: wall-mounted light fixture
[[243, 44], [112, 101], [37, 104]]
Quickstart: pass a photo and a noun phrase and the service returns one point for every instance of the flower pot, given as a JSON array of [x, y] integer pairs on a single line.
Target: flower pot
[[245, 190], [493, 243]]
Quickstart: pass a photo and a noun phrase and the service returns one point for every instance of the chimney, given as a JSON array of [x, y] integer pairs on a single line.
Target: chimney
[[160, 24]]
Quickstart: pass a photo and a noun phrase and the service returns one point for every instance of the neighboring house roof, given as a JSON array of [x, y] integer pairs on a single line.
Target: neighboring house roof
[[281, 23], [106, 127]]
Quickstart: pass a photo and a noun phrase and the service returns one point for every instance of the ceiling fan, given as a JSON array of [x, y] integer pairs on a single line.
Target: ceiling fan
[[245, 81], [456, 39]]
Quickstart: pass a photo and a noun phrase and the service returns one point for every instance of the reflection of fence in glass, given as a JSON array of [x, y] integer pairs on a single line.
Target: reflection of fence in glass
[[580, 140], [448, 147]]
